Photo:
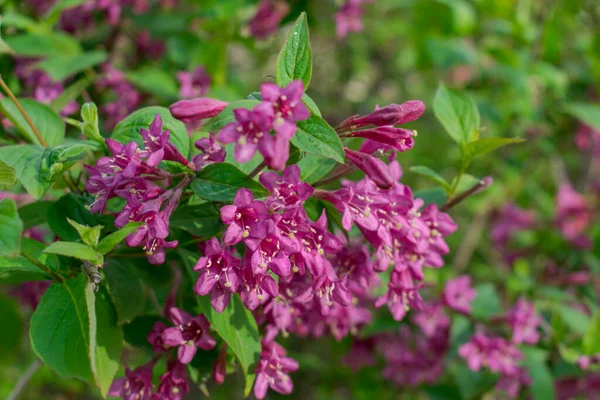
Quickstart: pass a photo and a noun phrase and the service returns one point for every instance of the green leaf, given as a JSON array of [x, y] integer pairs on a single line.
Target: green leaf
[[154, 80], [71, 93], [203, 220], [315, 136], [48, 123], [432, 196], [458, 114], [10, 334], [542, 382], [576, 320], [236, 325], [34, 214], [216, 123], [75, 333], [63, 66], [221, 181], [70, 207], [125, 289], [487, 302], [312, 106], [591, 339], [483, 146], [43, 45], [471, 384], [295, 58], [587, 113], [89, 235], [128, 130], [54, 13], [314, 168], [431, 174], [8, 176], [75, 250], [18, 270], [110, 241], [11, 229]]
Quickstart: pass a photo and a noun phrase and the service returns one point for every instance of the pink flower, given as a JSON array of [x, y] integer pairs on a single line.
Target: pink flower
[[219, 275], [136, 385], [267, 18], [173, 383], [287, 191], [492, 352], [393, 114], [212, 152], [402, 295], [197, 109], [524, 321], [458, 294], [273, 369], [373, 167], [193, 84], [245, 217], [187, 334], [573, 216]]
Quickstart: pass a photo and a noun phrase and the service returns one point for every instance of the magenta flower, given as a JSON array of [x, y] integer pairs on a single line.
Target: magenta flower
[[155, 337], [432, 319], [401, 296], [193, 84], [349, 18], [287, 191], [187, 334], [271, 251], [373, 167], [125, 160], [393, 114], [220, 365], [256, 289], [458, 294], [245, 217], [508, 221], [135, 385], [357, 202], [249, 131], [315, 242], [212, 152], [173, 383], [573, 216], [157, 145], [511, 385], [273, 369], [492, 352], [524, 321], [328, 288], [267, 18], [102, 186], [287, 104], [399, 139], [219, 275], [197, 109]]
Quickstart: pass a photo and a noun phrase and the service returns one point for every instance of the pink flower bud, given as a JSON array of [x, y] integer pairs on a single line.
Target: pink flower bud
[[220, 366], [197, 109], [393, 114], [375, 169]]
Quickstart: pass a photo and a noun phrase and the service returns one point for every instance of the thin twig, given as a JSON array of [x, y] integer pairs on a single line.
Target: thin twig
[[341, 173], [256, 170], [29, 121], [43, 267], [482, 184], [24, 379]]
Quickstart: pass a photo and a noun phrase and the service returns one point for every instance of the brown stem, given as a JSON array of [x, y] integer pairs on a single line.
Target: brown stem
[[43, 267], [256, 170], [336, 175], [29, 121], [482, 184]]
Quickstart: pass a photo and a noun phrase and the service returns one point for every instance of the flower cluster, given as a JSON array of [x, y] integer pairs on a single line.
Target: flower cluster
[[186, 335], [279, 111], [126, 97], [193, 84], [502, 356], [267, 18], [349, 17], [130, 173]]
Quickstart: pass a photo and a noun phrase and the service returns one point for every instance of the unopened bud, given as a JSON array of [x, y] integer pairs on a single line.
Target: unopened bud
[[373, 167], [197, 109]]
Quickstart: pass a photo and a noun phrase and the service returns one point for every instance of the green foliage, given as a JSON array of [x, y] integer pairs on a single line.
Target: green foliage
[[203, 220], [76, 250], [48, 123], [226, 116], [62, 66], [235, 325], [431, 174], [458, 114], [295, 59], [11, 333], [8, 176], [70, 208], [221, 181], [125, 289], [74, 332], [109, 242], [11, 228], [316, 136]]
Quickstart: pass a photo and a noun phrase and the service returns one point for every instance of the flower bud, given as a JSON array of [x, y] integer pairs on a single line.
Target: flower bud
[[373, 167], [220, 366], [197, 109], [393, 114], [398, 138]]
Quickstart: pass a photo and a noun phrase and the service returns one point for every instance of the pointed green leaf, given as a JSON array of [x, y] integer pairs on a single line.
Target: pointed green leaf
[[202, 220], [295, 58], [89, 235], [62, 66], [591, 339], [221, 181], [125, 289], [458, 113], [316, 136], [542, 382], [12, 325], [72, 207], [431, 174], [75, 250], [110, 241]]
